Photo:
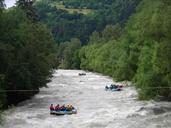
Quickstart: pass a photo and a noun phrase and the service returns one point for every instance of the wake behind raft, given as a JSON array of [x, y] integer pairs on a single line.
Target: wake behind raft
[[57, 110]]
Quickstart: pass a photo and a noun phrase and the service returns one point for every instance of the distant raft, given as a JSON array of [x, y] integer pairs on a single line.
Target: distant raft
[[53, 112], [82, 74], [113, 87]]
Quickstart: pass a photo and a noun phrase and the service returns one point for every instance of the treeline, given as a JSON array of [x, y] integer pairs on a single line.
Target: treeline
[[68, 54], [141, 54], [65, 25], [27, 53]]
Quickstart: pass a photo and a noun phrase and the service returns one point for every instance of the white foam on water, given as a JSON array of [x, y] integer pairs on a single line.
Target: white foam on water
[[97, 108]]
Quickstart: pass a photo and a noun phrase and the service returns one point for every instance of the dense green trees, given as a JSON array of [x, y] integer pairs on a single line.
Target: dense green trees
[[68, 54], [27, 56], [65, 25], [142, 53], [27, 6], [150, 37]]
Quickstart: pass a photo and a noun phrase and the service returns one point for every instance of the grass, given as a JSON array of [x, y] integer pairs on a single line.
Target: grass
[[71, 10]]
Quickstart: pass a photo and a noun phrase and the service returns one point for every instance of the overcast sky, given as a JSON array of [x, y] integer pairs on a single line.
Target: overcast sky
[[10, 3]]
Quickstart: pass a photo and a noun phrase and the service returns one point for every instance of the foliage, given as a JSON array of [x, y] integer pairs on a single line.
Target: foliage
[[27, 54], [66, 25], [68, 54], [27, 6], [142, 53]]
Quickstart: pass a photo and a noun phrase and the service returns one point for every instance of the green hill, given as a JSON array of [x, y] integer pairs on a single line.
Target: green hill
[[79, 18]]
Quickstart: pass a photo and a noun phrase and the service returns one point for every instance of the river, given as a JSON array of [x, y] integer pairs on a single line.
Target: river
[[97, 108]]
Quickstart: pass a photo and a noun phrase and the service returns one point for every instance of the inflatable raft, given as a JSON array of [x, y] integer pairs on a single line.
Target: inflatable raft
[[74, 111], [82, 74], [113, 88]]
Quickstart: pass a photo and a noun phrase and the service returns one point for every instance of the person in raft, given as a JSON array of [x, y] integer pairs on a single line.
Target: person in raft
[[63, 108], [57, 108], [51, 107]]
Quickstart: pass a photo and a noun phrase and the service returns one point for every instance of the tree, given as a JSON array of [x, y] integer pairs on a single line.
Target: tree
[[70, 58], [27, 6], [27, 54], [95, 37], [111, 32]]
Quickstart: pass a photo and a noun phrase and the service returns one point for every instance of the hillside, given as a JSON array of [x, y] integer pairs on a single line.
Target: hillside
[[142, 53], [79, 18]]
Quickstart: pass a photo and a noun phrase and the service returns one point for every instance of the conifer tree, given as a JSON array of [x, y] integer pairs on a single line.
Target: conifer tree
[[27, 6]]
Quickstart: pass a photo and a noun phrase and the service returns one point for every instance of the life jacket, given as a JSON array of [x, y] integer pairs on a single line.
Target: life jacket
[[57, 107], [51, 107]]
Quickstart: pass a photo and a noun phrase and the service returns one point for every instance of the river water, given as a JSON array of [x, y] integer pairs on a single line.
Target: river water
[[97, 108]]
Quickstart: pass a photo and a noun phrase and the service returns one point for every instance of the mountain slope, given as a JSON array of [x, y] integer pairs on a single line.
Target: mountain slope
[[78, 19]]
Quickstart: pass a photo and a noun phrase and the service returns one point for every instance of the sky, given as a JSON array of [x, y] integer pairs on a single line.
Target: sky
[[9, 3]]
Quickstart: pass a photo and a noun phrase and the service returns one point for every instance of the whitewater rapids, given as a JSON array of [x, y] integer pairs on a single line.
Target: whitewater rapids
[[97, 108]]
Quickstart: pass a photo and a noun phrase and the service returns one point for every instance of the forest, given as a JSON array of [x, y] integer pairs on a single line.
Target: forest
[[124, 39], [27, 53], [65, 25], [140, 52]]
